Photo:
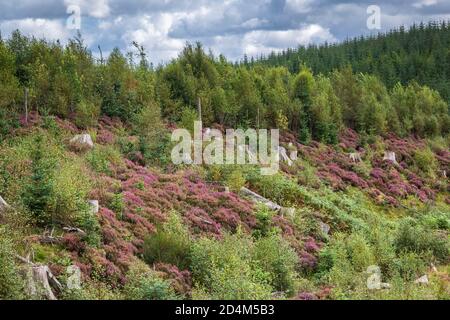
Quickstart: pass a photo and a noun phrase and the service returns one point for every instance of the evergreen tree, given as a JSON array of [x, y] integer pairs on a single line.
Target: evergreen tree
[[39, 191]]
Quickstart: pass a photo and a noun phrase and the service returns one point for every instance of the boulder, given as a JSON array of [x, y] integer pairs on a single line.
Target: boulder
[[385, 285], [324, 227], [422, 280], [82, 141]]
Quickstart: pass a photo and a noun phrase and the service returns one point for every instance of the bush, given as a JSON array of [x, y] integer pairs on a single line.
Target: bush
[[224, 270], [87, 114], [235, 181], [102, 158], [412, 237], [170, 244], [117, 204], [71, 188], [426, 161], [188, 117], [275, 256], [409, 266], [263, 221], [11, 284], [145, 284]]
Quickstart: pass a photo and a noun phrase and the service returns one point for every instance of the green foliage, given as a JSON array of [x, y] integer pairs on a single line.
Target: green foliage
[[145, 284], [410, 266], [426, 161], [263, 221], [11, 284], [170, 244], [412, 237], [235, 181], [87, 114], [153, 137], [188, 117], [9, 90], [415, 53], [71, 188], [224, 269], [102, 158], [276, 257], [39, 193], [117, 204]]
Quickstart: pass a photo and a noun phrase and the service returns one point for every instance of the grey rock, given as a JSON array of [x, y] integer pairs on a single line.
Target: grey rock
[[422, 280], [83, 141]]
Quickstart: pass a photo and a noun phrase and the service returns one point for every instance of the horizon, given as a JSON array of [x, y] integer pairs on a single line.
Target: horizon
[[234, 29]]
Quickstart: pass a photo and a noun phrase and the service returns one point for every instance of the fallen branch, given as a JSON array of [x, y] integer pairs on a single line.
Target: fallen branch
[[260, 199], [74, 230]]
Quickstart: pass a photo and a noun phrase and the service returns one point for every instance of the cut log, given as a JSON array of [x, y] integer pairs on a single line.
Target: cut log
[[40, 280], [260, 199], [3, 205], [94, 205], [355, 157], [390, 156], [283, 155]]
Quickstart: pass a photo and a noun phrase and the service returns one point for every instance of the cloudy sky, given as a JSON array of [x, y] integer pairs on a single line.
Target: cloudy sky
[[231, 27]]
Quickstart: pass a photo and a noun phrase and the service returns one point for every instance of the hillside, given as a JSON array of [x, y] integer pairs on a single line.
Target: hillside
[[87, 183]]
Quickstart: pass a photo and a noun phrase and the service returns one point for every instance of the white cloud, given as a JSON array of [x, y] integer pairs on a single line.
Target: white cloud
[[40, 28], [298, 6], [262, 41], [152, 32], [424, 3], [92, 8]]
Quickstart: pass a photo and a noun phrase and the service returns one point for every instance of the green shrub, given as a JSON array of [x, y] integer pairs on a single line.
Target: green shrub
[[87, 114], [11, 284], [170, 244], [188, 117], [409, 266], [412, 237], [426, 161], [235, 181], [275, 256], [224, 269], [145, 284], [117, 204], [71, 189], [263, 221], [102, 158], [39, 192]]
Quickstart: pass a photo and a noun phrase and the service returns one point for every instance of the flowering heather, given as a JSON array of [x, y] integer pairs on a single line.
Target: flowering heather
[[181, 280], [105, 136], [388, 182], [306, 296]]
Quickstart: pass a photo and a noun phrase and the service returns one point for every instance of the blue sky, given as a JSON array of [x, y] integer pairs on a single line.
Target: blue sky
[[230, 27]]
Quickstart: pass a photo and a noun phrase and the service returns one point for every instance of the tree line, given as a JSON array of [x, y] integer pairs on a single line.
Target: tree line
[[419, 53], [68, 81]]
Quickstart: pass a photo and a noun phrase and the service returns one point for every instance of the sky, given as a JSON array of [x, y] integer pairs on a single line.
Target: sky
[[229, 27]]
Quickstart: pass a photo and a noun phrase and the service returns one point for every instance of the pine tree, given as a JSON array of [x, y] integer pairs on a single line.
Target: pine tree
[[39, 191]]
